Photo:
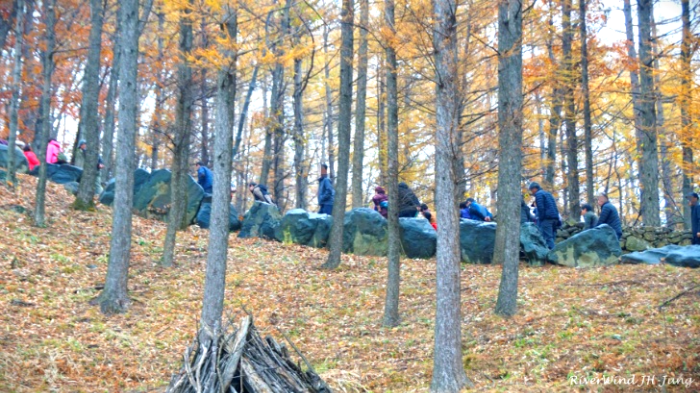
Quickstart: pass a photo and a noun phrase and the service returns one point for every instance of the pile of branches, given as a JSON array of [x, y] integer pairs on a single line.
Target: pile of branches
[[242, 361]]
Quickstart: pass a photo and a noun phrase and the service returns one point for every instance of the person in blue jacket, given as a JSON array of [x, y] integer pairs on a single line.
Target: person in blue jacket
[[608, 215], [326, 193], [478, 212], [693, 198], [547, 213], [464, 211], [204, 177]]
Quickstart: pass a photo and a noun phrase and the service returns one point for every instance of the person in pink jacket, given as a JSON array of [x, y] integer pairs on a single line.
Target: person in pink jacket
[[52, 151]]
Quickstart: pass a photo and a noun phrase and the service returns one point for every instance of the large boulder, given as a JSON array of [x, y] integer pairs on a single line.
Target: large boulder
[[72, 187], [532, 244], [141, 177], [594, 247], [633, 243], [476, 241], [418, 238], [365, 232], [684, 257], [21, 164], [204, 216], [650, 257], [153, 198], [63, 173], [301, 227], [261, 220]]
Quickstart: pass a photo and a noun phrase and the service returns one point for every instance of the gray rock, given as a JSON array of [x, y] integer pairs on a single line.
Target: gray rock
[[63, 173], [594, 247], [140, 178], [365, 232], [153, 198], [261, 220], [21, 164], [650, 257], [476, 241], [204, 216], [532, 244], [418, 238], [301, 227], [72, 187], [685, 257], [634, 243]]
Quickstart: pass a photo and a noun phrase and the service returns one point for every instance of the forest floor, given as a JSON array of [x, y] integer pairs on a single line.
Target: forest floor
[[571, 323]]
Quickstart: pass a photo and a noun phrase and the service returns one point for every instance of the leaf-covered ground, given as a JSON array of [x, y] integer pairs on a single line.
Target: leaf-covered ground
[[571, 324]]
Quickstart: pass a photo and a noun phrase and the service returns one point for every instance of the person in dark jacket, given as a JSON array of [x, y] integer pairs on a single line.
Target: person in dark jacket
[[260, 193], [547, 213], [464, 211], [694, 217], [379, 197], [525, 214], [608, 215], [478, 212], [409, 205], [326, 193], [589, 218], [205, 178]]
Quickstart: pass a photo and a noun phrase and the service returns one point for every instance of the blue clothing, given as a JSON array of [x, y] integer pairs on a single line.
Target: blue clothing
[[546, 206], [464, 213], [548, 228], [326, 193], [326, 209], [608, 215], [205, 179], [695, 223], [478, 212]]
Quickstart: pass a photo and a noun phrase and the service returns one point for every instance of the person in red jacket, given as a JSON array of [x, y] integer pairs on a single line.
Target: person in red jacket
[[31, 157]]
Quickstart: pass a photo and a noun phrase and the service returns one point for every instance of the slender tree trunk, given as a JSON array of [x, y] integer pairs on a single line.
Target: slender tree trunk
[[215, 281], [542, 134], [108, 136], [391, 307], [360, 108], [448, 369], [40, 148], [158, 111], [114, 297], [244, 112], [510, 142], [205, 105], [686, 135], [555, 108], [649, 165], [634, 76], [6, 24], [279, 135], [381, 124], [267, 150], [570, 113], [588, 133], [299, 139], [181, 142], [329, 105], [16, 91], [344, 118]]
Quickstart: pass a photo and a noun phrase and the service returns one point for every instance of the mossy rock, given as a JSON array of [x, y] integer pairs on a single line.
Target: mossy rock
[[365, 232], [594, 247], [261, 221]]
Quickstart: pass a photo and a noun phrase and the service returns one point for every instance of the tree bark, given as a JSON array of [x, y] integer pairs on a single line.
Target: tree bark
[[158, 111], [278, 112], [686, 135], [114, 297], [649, 165], [555, 107], [328, 124], [181, 141], [588, 133], [89, 126], [6, 24], [448, 369], [299, 139], [344, 118], [570, 113], [45, 115], [510, 142], [360, 109], [16, 91], [108, 136], [244, 112], [215, 281], [391, 307], [381, 123]]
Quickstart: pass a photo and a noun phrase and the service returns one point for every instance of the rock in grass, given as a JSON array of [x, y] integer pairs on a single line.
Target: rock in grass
[[153, 198], [685, 257], [594, 247], [140, 178], [532, 244], [418, 238], [204, 216], [649, 257], [72, 187], [21, 164], [634, 243], [365, 232], [261, 220], [476, 241], [63, 173], [301, 227]]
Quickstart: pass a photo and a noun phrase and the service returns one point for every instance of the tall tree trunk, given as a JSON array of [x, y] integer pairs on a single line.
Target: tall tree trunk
[[328, 124], [278, 112], [299, 139], [109, 123], [381, 124], [114, 297], [391, 307], [181, 141], [158, 111], [510, 142], [686, 135], [244, 112], [15, 87], [45, 131], [205, 105], [634, 76], [555, 108], [267, 150], [6, 24], [360, 108], [588, 133], [570, 113], [215, 281], [649, 165], [448, 369], [344, 118]]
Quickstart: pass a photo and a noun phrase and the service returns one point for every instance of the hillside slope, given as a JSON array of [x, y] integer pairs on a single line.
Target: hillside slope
[[571, 322]]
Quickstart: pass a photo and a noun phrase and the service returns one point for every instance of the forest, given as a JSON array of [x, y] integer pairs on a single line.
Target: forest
[[476, 101]]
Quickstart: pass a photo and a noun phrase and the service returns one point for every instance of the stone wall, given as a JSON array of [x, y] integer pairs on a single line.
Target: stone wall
[[635, 238]]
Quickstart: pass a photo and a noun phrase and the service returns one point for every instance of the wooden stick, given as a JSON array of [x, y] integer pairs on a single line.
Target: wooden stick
[[667, 302]]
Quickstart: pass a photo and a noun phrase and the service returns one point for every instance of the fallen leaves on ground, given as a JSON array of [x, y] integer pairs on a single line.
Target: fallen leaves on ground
[[571, 322]]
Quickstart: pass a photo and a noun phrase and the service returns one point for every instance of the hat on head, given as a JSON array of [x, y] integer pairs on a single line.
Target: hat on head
[[535, 185], [693, 195], [82, 142]]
